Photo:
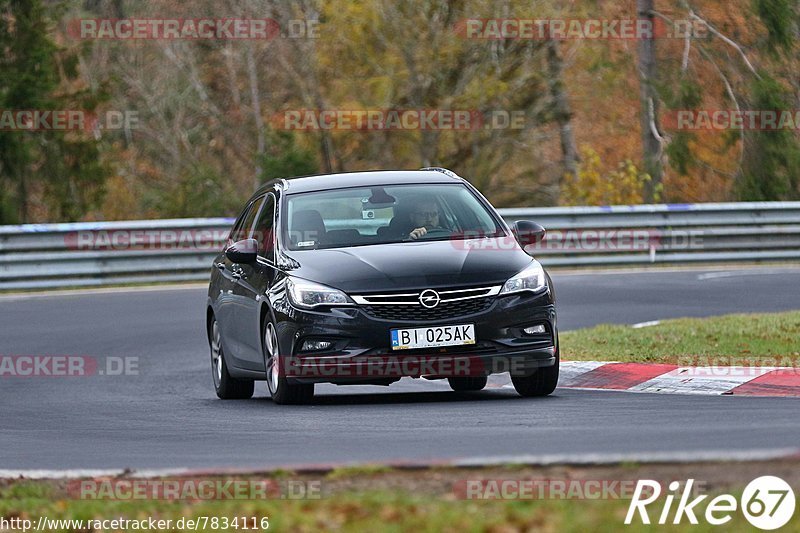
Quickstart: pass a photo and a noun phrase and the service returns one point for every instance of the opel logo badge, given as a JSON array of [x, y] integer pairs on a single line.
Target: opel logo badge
[[429, 298]]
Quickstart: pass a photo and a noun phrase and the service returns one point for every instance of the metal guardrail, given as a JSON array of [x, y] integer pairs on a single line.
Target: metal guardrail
[[35, 256], [667, 234]]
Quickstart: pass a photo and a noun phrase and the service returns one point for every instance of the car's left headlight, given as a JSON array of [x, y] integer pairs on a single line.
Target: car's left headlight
[[531, 278], [308, 295]]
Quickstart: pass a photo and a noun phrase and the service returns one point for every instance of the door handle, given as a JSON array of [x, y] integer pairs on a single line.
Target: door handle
[[220, 266]]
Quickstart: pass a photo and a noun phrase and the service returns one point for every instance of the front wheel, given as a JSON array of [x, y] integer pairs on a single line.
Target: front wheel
[[541, 383], [226, 387], [280, 389]]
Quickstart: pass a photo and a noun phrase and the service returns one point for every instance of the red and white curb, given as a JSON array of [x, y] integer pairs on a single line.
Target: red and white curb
[[674, 379]]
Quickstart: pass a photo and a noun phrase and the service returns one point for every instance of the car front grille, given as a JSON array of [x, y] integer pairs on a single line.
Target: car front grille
[[417, 312], [407, 307]]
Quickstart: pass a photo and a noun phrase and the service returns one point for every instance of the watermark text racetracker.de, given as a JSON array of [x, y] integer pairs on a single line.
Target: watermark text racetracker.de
[[67, 120], [211, 239], [700, 120], [327, 366], [263, 29], [589, 240], [398, 119], [545, 489], [66, 366], [579, 29], [195, 489], [722, 366]]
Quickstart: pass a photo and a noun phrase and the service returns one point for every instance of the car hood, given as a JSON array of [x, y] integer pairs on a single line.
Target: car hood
[[413, 265]]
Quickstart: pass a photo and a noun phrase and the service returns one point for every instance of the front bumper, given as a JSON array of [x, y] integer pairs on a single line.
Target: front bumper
[[361, 347]]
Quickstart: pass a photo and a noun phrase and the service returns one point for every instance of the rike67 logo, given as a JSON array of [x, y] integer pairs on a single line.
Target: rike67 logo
[[767, 503]]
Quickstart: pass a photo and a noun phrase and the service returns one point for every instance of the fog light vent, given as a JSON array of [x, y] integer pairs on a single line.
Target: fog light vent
[[538, 329], [315, 346]]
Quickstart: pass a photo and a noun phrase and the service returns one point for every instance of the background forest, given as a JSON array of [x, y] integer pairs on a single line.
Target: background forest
[[596, 128]]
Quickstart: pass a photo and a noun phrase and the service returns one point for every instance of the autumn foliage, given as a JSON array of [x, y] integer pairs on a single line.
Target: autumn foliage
[[206, 132]]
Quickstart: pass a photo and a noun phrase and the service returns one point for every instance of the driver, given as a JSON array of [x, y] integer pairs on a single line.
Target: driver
[[424, 217]]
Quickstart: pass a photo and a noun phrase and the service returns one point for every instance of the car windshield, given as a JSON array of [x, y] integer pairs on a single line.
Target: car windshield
[[385, 214]]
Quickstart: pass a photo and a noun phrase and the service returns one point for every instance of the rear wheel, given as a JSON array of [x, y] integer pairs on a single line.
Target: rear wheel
[[226, 387], [541, 383], [280, 389], [467, 384]]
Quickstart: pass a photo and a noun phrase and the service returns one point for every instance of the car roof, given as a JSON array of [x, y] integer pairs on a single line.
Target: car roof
[[326, 182]]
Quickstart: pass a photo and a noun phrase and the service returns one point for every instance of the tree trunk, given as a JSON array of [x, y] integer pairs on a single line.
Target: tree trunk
[[563, 116], [648, 101], [255, 96], [22, 190]]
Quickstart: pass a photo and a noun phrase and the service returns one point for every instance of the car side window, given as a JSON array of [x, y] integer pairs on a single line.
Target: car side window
[[245, 226], [237, 226], [264, 229]]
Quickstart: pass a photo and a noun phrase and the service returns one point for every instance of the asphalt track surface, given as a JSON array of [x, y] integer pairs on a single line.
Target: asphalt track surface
[[168, 417]]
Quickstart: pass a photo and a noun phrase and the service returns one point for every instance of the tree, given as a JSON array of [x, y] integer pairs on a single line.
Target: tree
[[64, 168], [561, 111], [649, 102], [684, 78], [771, 165], [399, 55]]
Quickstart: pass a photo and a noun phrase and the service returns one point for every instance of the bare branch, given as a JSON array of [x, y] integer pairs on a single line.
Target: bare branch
[[687, 46], [654, 127], [732, 96], [731, 43]]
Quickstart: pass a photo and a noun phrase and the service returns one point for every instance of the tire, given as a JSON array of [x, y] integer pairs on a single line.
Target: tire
[[467, 384], [226, 387], [541, 383], [282, 391]]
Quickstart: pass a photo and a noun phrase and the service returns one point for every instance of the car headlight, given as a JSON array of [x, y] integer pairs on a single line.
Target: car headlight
[[307, 294], [531, 278]]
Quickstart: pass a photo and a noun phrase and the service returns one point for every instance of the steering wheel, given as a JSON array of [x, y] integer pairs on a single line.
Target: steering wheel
[[438, 232], [433, 232]]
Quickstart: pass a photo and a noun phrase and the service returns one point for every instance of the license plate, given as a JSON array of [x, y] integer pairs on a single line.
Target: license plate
[[435, 337]]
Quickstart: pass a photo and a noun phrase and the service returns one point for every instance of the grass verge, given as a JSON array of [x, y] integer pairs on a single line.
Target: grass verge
[[376, 499], [747, 339]]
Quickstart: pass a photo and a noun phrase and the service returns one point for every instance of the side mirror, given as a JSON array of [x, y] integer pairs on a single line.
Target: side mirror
[[244, 252], [528, 232]]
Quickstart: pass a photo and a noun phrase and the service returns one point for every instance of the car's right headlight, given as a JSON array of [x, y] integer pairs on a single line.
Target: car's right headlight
[[308, 295], [531, 278]]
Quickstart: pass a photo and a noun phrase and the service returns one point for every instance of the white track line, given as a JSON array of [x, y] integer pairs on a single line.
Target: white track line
[[641, 325], [109, 290], [92, 473], [728, 273], [685, 456]]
